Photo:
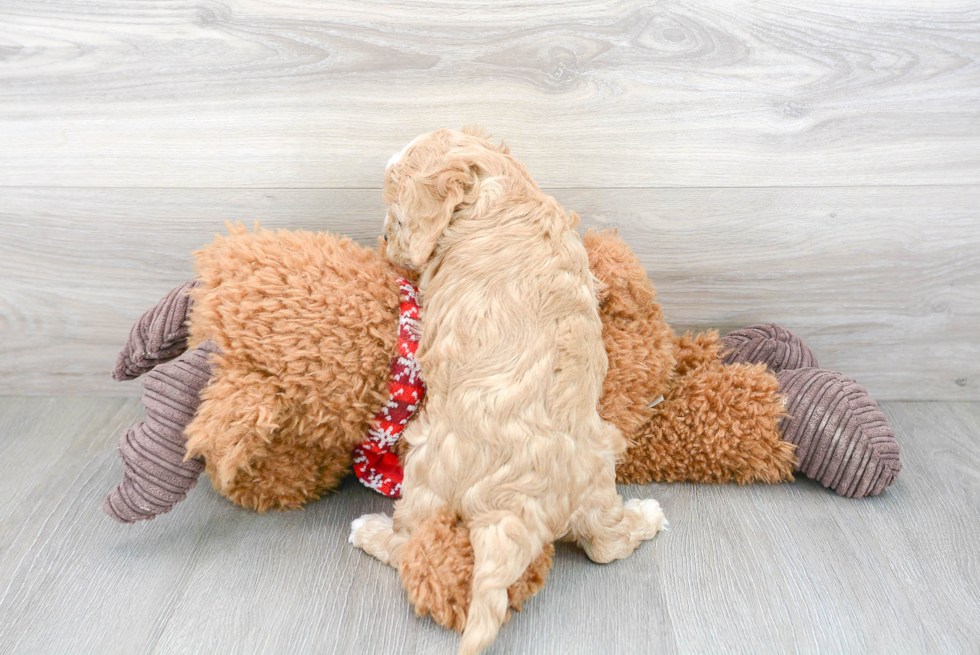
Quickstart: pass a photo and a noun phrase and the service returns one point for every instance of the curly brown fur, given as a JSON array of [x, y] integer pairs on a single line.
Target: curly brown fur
[[639, 344], [694, 352], [309, 322], [717, 423], [437, 566], [306, 324]]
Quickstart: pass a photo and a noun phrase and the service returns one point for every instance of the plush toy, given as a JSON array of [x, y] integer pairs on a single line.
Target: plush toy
[[284, 360]]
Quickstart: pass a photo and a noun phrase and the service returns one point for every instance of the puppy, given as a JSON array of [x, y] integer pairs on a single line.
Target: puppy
[[509, 438]]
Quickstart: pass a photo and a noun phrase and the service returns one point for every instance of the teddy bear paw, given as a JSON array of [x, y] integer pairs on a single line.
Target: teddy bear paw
[[770, 344], [842, 438]]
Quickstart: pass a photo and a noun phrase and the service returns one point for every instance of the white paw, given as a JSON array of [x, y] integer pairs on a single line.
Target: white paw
[[363, 527], [651, 512], [355, 526]]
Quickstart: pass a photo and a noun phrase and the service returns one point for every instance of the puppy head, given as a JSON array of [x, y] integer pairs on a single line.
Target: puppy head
[[427, 184]]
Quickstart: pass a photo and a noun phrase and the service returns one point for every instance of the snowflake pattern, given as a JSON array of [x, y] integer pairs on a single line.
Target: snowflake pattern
[[375, 464]]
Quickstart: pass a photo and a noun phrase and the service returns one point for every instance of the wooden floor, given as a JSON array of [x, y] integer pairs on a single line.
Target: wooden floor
[[786, 568]]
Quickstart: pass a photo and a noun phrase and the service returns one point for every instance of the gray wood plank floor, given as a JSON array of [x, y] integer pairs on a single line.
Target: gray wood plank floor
[[786, 568]]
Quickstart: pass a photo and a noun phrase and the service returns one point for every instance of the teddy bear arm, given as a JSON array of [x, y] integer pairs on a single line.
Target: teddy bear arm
[[308, 324]]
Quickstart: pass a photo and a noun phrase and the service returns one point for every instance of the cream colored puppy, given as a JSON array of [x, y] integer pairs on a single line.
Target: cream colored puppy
[[511, 352]]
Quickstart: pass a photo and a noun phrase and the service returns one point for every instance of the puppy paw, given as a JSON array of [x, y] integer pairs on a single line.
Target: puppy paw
[[355, 526], [363, 530], [652, 520]]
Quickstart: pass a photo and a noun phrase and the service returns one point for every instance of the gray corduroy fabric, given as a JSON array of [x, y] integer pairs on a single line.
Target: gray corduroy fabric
[[779, 348], [842, 438], [157, 337], [157, 476]]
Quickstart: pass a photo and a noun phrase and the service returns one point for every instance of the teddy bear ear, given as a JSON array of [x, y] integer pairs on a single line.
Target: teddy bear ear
[[430, 198]]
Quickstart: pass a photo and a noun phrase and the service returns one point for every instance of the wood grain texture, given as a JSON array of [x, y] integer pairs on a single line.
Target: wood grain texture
[[883, 283], [845, 135], [839, 576], [784, 568], [622, 93]]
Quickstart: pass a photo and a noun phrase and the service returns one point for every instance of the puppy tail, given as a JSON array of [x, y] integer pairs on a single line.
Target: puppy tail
[[501, 553]]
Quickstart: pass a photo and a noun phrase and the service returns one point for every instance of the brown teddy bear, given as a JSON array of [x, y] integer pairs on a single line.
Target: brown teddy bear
[[280, 356]]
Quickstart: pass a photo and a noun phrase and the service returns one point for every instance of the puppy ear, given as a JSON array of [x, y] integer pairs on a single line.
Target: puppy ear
[[433, 196]]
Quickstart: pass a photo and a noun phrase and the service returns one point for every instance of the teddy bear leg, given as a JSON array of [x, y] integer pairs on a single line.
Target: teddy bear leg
[[285, 474], [842, 437], [770, 344], [158, 336], [716, 423], [158, 474], [262, 450]]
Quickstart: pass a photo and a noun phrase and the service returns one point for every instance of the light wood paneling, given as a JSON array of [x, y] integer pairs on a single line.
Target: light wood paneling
[[790, 567], [319, 94], [883, 283]]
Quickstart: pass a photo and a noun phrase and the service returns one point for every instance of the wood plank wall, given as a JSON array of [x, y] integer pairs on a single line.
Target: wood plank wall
[[812, 164]]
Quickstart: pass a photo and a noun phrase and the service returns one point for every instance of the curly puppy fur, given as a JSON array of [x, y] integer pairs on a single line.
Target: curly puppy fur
[[717, 423], [509, 438], [436, 569], [307, 324]]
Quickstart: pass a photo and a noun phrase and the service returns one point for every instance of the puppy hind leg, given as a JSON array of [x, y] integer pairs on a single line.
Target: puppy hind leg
[[609, 530], [383, 536], [502, 552]]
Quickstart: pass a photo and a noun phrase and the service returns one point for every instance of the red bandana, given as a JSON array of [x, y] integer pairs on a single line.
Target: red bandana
[[374, 462]]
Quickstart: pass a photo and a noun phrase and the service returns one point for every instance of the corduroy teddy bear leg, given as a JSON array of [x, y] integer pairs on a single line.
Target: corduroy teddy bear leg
[[158, 473], [770, 344], [158, 336], [842, 437]]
